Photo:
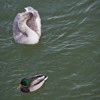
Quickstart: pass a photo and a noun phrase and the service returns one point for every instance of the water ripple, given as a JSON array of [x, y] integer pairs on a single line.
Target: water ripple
[[68, 51]]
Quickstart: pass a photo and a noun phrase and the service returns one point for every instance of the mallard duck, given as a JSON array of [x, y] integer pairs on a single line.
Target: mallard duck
[[27, 27], [32, 84]]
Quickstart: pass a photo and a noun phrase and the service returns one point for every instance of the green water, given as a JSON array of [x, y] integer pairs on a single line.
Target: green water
[[68, 51]]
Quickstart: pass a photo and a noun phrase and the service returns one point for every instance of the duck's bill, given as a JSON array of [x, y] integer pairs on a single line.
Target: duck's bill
[[19, 86]]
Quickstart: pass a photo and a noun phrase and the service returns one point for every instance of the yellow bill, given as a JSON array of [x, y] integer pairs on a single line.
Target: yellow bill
[[19, 86]]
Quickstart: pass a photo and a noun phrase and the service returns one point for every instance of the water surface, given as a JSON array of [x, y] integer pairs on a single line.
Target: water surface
[[68, 51]]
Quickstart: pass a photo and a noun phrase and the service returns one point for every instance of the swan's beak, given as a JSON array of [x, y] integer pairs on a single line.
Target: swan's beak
[[19, 86], [28, 9]]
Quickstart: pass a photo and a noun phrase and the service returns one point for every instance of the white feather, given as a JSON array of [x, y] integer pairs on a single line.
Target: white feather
[[37, 83]]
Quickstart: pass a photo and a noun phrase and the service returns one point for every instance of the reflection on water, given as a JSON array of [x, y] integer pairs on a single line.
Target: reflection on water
[[68, 51]]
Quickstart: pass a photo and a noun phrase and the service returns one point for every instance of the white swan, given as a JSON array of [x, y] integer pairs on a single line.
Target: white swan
[[27, 27]]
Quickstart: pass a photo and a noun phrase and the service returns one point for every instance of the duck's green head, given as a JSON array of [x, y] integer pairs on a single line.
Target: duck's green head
[[25, 82]]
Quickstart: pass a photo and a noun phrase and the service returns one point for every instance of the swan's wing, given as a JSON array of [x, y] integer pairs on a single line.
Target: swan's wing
[[17, 34], [16, 30]]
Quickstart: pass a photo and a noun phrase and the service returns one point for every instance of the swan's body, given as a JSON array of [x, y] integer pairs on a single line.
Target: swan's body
[[32, 84], [27, 27]]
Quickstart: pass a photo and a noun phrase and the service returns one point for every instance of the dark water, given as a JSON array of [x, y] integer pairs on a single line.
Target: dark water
[[68, 51]]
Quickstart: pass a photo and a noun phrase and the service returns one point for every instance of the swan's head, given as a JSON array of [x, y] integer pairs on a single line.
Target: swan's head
[[30, 9], [24, 16], [28, 14]]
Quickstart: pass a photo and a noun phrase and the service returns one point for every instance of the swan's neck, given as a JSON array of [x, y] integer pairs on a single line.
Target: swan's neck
[[30, 36]]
